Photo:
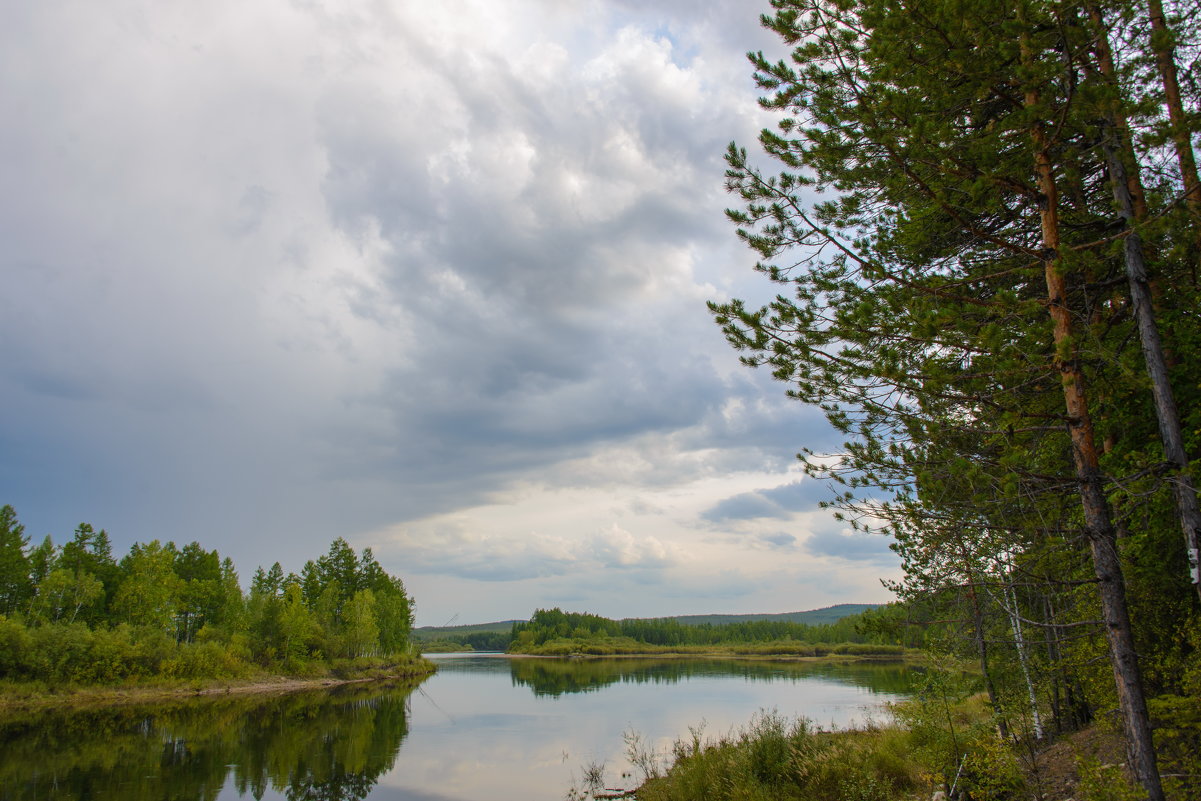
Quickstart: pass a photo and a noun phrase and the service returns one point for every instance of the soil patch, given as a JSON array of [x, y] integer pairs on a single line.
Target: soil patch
[[1056, 773]]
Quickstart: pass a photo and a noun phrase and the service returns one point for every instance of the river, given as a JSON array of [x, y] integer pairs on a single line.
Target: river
[[483, 728]]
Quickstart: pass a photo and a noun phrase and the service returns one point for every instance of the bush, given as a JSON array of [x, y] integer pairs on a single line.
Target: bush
[[953, 740], [111, 656], [206, 660], [58, 650], [15, 645]]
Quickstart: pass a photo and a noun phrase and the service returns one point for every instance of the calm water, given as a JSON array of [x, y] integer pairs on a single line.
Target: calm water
[[482, 729]]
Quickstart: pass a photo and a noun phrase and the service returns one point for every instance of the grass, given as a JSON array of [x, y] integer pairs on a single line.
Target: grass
[[928, 744], [773, 759]]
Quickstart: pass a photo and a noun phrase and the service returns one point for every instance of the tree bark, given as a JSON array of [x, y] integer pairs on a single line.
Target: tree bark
[[1171, 432], [1098, 522], [1165, 60]]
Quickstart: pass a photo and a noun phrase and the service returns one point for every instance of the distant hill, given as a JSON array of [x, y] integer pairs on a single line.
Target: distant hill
[[814, 617]]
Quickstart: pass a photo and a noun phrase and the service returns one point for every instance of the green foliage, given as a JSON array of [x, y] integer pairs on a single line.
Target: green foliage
[[553, 631], [362, 631], [940, 225], [1105, 783], [150, 590], [79, 617], [64, 593], [1178, 740], [442, 646], [15, 584]]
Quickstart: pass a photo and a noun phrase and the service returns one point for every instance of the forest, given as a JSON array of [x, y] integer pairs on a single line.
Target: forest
[[74, 614], [553, 631], [982, 223]]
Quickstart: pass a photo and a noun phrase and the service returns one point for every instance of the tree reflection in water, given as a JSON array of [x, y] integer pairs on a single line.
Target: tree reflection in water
[[555, 677], [329, 745]]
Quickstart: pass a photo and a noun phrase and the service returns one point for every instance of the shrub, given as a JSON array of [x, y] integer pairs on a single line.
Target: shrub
[[15, 645]]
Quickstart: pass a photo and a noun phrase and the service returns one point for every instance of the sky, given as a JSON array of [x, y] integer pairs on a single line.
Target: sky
[[430, 277]]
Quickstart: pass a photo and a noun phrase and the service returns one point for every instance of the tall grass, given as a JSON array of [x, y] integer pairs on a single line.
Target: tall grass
[[774, 758], [933, 742]]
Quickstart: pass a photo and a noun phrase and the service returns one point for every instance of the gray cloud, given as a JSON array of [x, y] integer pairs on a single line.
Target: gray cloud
[[777, 502], [385, 268], [746, 506], [779, 540], [855, 546]]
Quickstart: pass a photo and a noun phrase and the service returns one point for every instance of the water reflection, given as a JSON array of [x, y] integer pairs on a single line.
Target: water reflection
[[554, 677], [329, 745], [481, 729]]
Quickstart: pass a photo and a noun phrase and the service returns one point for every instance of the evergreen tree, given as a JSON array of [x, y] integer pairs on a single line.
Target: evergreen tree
[[16, 586], [201, 590], [955, 304], [90, 551]]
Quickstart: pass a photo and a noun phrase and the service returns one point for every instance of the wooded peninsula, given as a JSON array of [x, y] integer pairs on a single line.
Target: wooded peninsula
[[73, 614], [553, 632]]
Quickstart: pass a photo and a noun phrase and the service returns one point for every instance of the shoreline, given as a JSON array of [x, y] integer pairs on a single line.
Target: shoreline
[[16, 699], [719, 655], [909, 658]]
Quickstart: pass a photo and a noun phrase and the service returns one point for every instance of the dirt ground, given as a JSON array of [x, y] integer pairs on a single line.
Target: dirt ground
[[1054, 775]]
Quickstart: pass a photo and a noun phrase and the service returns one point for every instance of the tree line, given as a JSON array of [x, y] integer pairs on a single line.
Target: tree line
[[75, 613], [983, 221], [549, 625]]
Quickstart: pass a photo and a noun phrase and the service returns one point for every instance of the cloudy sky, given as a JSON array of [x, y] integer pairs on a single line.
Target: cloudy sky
[[429, 276]]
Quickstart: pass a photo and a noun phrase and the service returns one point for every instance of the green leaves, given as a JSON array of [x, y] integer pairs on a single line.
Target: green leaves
[[931, 159]]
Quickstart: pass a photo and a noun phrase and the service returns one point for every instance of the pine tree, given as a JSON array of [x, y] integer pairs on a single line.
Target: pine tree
[[954, 305], [16, 586]]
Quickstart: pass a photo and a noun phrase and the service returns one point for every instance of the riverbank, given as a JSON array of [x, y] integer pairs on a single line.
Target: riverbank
[[911, 659], [775, 759], [17, 697]]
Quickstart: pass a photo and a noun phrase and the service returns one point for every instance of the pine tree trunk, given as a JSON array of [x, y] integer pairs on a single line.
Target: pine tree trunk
[[1128, 192], [1171, 432], [1098, 522], [1165, 60]]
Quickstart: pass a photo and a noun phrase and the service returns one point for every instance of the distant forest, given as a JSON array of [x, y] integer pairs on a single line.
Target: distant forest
[[556, 631], [74, 613]]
